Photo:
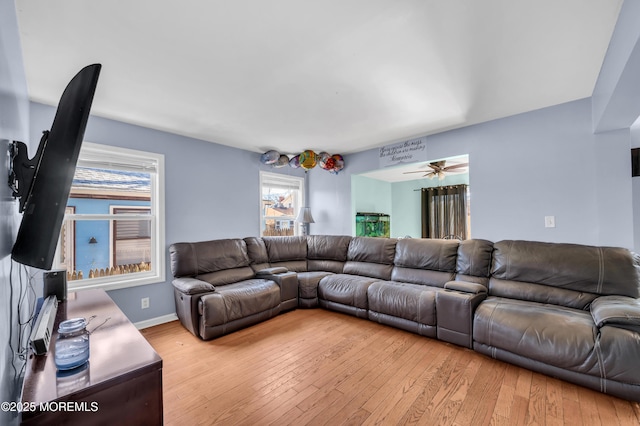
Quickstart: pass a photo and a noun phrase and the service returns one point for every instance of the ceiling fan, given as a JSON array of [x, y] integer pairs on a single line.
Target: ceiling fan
[[438, 169]]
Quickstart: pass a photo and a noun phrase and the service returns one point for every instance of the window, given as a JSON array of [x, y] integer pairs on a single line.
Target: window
[[131, 239], [113, 233], [281, 199]]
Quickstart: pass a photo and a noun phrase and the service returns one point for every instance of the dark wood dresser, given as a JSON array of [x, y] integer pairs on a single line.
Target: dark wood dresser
[[121, 384]]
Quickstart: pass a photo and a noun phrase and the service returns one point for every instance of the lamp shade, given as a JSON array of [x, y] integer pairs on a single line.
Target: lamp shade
[[304, 216]]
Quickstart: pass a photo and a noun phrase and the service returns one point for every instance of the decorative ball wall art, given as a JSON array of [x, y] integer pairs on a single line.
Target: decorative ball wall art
[[307, 159]]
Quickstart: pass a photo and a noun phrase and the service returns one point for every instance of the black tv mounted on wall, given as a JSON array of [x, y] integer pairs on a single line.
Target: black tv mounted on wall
[[43, 183]]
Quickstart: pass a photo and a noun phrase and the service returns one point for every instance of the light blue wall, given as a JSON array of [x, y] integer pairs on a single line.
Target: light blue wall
[[616, 96], [616, 99], [526, 167], [370, 196], [14, 119], [330, 195], [211, 191]]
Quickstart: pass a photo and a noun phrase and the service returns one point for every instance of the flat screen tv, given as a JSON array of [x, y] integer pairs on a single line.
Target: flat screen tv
[[43, 183]]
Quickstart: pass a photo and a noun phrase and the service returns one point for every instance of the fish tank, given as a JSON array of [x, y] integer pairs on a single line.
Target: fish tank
[[373, 225]]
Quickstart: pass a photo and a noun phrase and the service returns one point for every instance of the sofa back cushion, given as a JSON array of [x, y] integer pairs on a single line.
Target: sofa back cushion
[[575, 269], [541, 293], [371, 257], [290, 252], [227, 276], [425, 261], [217, 262], [327, 252], [257, 251], [473, 262]]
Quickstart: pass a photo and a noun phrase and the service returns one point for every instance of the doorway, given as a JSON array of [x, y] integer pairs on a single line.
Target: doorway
[[396, 191]]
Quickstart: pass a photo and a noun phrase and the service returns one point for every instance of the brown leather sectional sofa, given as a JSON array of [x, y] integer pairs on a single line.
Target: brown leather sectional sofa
[[566, 310]]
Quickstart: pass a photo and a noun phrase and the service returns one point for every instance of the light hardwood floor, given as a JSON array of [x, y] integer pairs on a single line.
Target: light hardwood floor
[[312, 366]]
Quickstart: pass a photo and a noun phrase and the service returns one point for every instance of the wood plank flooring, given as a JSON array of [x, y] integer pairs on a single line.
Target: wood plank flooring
[[312, 366]]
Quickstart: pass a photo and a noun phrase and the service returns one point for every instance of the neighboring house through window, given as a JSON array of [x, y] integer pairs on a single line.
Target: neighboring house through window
[[113, 233], [282, 197], [130, 239]]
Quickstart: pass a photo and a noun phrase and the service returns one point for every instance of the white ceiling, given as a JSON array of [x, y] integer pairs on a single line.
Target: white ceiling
[[335, 75]]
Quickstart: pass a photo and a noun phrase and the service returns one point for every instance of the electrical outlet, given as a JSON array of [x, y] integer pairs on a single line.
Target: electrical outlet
[[144, 303], [549, 221]]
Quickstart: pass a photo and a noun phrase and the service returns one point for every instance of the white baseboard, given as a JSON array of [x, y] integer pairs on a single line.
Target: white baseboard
[[155, 321]]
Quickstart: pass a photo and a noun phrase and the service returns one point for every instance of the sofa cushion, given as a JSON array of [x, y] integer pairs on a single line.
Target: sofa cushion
[[227, 276], [424, 253], [616, 310], [366, 269], [282, 249], [333, 266], [239, 300], [619, 352], [540, 293], [328, 247], [372, 250], [327, 252], [350, 290], [412, 302], [288, 252], [370, 257], [421, 276], [425, 261], [598, 270], [558, 336], [257, 252], [192, 259], [474, 258]]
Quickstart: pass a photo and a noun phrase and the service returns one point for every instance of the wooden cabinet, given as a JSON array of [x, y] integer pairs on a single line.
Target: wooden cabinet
[[121, 384]]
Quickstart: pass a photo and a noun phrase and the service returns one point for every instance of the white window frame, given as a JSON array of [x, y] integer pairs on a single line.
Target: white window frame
[[266, 177], [97, 155]]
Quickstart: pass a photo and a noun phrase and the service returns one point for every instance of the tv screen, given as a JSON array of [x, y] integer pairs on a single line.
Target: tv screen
[[49, 183]]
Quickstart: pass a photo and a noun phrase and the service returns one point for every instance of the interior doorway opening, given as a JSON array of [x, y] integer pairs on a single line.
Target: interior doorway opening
[[396, 191]]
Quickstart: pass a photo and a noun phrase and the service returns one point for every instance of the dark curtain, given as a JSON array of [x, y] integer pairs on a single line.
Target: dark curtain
[[444, 212]]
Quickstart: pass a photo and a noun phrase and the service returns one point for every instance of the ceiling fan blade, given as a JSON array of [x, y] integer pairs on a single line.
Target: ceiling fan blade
[[456, 166], [417, 171]]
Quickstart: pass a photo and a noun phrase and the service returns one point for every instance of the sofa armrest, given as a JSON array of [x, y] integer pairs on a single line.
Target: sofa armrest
[[454, 315], [465, 287], [621, 311], [288, 283], [188, 285], [271, 271]]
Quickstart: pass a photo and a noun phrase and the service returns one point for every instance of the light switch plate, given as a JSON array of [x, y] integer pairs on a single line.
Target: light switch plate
[[549, 221]]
